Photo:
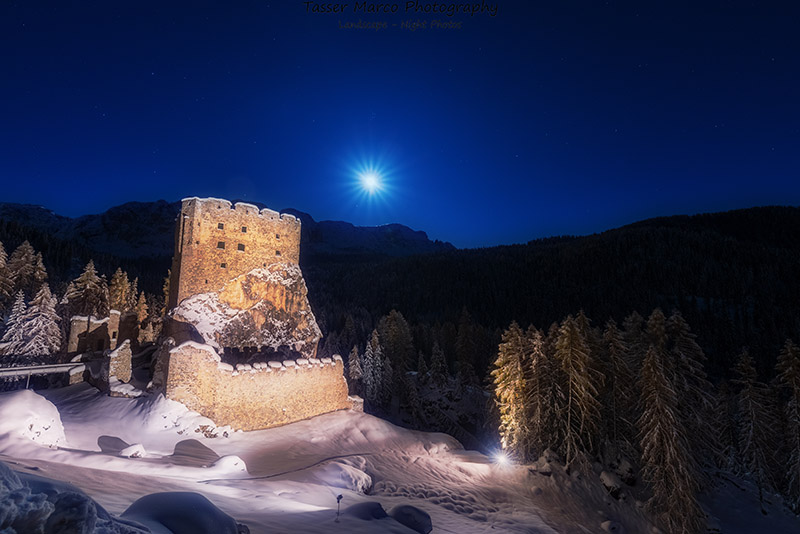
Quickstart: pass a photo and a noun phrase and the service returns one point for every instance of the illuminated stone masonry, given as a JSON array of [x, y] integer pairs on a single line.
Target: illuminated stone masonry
[[236, 291]]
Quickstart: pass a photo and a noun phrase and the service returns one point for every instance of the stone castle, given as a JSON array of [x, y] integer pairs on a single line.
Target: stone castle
[[216, 242], [243, 337]]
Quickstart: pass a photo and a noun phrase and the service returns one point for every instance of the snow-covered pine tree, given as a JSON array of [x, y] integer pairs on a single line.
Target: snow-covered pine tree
[[141, 309], [634, 338], [582, 415], [620, 395], [118, 290], [373, 367], [22, 265], [755, 424], [355, 373], [668, 462], [42, 332], [695, 392], [14, 336], [6, 281], [88, 293], [398, 346], [788, 379], [543, 394], [39, 274], [509, 391], [438, 365]]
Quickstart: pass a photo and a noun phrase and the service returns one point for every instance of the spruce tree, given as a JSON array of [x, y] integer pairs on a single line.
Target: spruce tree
[[422, 367], [695, 393], [22, 266], [39, 274], [355, 373], [6, 280], [118, 291], [543, 396], [13, 339], [620, 398], [788, 379], [755, 424], [582, 415], [373, 368], [141, 309], [634, 337], [668, 462], [88, 293], [42, 332], [509, 391], [438, 365], [132, 296]]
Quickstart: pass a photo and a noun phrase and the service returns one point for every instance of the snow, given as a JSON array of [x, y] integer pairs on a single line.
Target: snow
[[123, 389], [198, 346], [195, 476], [24, 414]]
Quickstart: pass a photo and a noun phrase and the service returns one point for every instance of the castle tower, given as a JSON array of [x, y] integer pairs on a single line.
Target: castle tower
[[216, 242]]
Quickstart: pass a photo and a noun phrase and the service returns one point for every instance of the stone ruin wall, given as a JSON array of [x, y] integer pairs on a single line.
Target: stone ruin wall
[[254, 397], [200, 266]]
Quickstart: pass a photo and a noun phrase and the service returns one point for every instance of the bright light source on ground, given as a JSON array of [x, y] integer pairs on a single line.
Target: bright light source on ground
[[370, 181], [500, 458]]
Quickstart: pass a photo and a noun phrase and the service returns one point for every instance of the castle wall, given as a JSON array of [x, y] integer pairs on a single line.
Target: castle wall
[[97, 337], [201, 264], [254, 397]]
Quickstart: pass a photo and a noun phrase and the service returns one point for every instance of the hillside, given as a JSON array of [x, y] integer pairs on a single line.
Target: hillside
[[732, 274]]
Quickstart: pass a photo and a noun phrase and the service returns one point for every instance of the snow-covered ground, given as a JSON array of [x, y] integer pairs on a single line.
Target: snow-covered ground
[[287, 479]]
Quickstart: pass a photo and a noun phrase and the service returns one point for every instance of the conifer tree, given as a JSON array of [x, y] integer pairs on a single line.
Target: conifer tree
[[22, 266], [543, 396], [6, 281], [582, 414], [724, 427], [788, 379], [42, 332], [422, 367], [118, 291], [141, 309], [354, 371], [39, 274], [509, 391], [88, 294], [398, 345], [13, 339], [165, 292], [668, 463], [695, 392], [438, 365], [373, 368], [634, 338], [132, 296], [755, 424], [620, 414]]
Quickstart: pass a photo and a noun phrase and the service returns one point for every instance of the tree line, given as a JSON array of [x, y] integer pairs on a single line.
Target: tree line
[[35, 322], [639, 393]]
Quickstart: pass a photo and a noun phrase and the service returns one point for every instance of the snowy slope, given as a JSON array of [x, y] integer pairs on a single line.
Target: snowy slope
[[286, 479]]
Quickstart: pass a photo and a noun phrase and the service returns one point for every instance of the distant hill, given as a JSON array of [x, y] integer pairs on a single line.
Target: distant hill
[[137, 233], [734, 275]]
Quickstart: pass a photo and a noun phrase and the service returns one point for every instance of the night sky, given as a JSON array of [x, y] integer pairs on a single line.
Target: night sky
[[543, 118]]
